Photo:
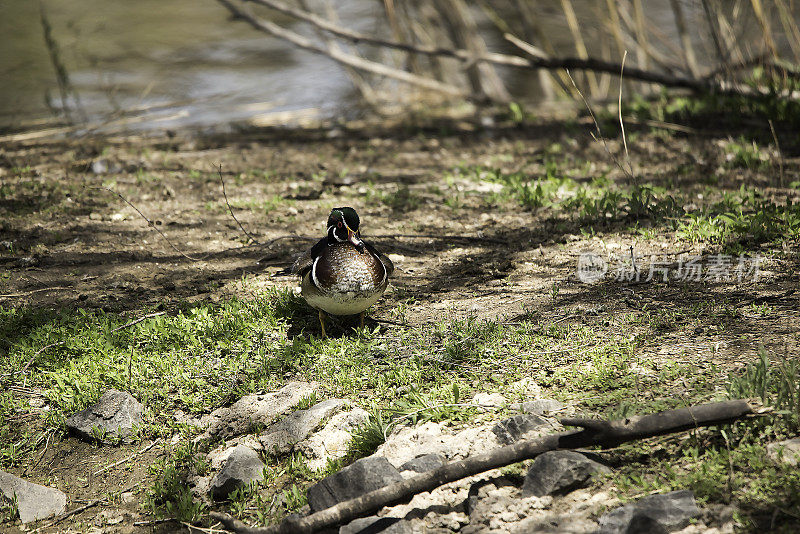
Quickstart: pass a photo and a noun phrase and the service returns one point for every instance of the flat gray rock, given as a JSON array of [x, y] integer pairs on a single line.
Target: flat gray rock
[[559, 472], [375, 524], [513, 429], [666, 512], [242, 467], [253, 410], [421, 464], [294, 428], [362, 476], [114, 415], [34, 501]]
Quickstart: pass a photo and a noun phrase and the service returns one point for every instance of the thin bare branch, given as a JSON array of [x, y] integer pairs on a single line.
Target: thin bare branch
[[230, 210], [149, 223], [357, 37], [780, 153], [599, 133], [619, 109]]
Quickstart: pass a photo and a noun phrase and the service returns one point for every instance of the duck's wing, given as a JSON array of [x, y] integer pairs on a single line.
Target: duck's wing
[[306, 260], [384, 259]]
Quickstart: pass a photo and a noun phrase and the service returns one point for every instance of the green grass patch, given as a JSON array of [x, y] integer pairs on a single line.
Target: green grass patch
[[742, 221], [731, 465], [598, 200], [207, 355]]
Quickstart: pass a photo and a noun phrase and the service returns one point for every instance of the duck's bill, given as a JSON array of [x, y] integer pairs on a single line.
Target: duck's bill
[[355, 240]]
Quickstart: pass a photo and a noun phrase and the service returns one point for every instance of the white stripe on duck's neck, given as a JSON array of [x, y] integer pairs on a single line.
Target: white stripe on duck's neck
[[333, 237]]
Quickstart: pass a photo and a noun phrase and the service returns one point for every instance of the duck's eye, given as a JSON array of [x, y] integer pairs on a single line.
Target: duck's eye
[[339, 224]]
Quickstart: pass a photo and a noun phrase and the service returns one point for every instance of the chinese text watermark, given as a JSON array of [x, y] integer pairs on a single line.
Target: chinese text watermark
[[593, 267]]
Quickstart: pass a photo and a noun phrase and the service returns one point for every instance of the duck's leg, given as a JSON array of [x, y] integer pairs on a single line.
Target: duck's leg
[[322, 323], [361, 315]]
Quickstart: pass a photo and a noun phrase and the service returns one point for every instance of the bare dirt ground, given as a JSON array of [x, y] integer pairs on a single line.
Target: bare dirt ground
[[67, 240]]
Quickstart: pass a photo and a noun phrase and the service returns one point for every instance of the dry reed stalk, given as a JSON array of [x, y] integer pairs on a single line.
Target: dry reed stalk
[[732, 41], [765, 28], [790, 28], [360, 83], [687, 49], [580, 46], [530, 20], [642, 57], [712, 28], [464, 34]]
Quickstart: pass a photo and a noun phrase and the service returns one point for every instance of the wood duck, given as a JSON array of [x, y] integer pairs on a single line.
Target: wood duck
[[341, 274]]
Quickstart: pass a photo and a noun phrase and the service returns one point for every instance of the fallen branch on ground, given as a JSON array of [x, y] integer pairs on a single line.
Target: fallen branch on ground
[[593, 433]]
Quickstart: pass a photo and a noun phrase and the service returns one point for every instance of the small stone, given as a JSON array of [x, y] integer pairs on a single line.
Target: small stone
[[362, 476], [666, 512], [100, 166], [559, 472], [331, 442], [787, 451], [513, 429], [421, 464], [375, 524], [127, 497], [94, 216], [452, 521], [34, 501], [115, 414], [242, 467]]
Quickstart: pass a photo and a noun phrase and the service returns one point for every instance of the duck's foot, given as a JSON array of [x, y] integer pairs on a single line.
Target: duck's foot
[[322, 323]]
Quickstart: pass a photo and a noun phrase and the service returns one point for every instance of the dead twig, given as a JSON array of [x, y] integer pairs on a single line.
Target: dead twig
[[31, 292], [599, 133], [619, 110], [139, 320], [150, 223], [128, 458], [537, 59], [230, 210], [35, 354], [592, 433], [780, 153]]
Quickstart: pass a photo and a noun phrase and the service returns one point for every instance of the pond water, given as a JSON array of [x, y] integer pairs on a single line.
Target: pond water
[[187, 56]]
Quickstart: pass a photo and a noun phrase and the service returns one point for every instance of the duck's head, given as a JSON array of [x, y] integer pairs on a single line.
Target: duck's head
[[343, 226]]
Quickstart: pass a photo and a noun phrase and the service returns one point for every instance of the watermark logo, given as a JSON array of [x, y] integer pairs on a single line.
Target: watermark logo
[[593, 267]]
